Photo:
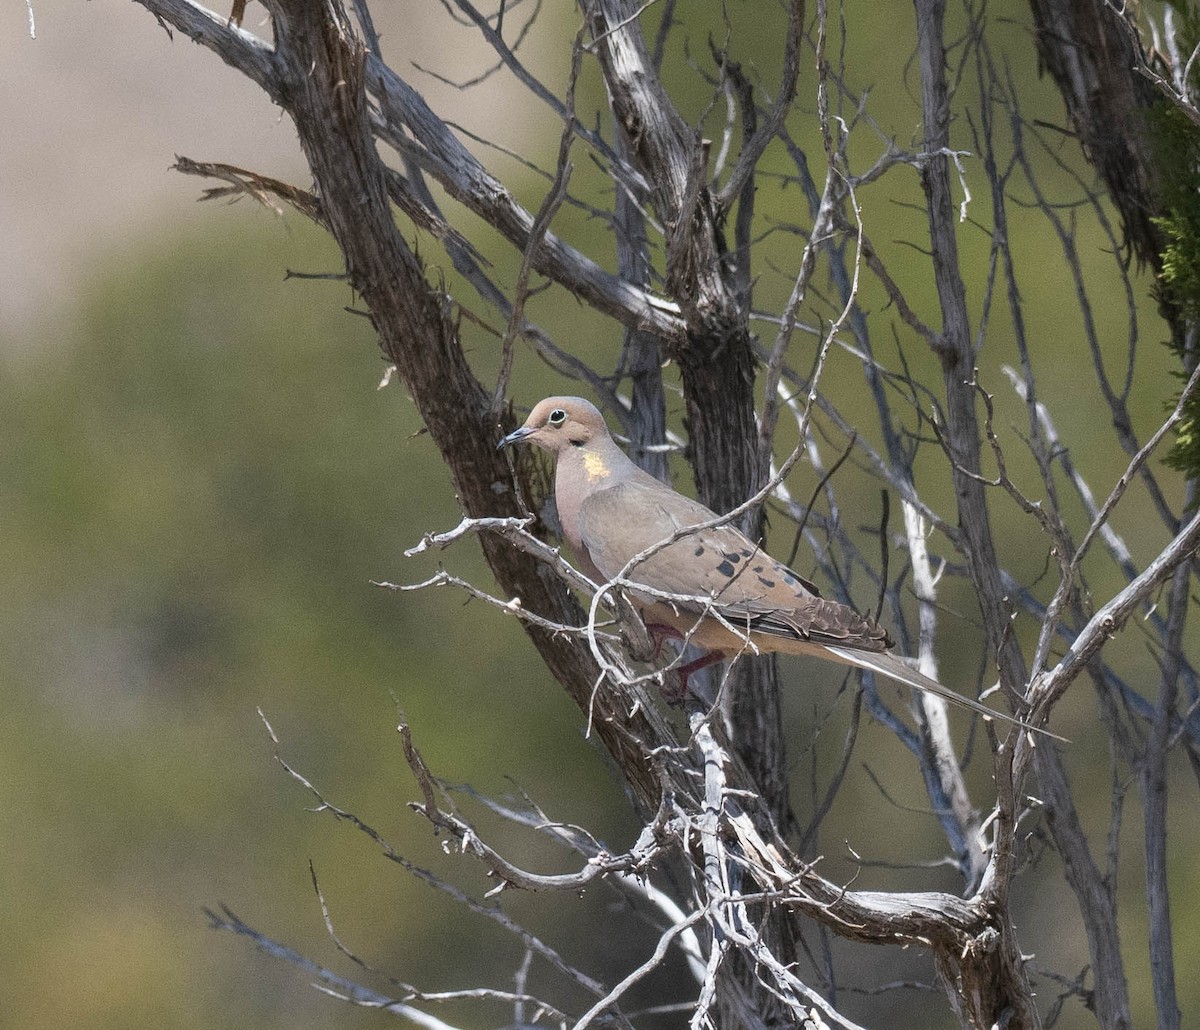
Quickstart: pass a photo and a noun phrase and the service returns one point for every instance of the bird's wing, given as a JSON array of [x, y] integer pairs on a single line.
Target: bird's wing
[[722, 569], [712, 569]]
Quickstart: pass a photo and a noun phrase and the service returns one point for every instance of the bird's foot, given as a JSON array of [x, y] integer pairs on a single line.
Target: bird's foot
[[676, 694]]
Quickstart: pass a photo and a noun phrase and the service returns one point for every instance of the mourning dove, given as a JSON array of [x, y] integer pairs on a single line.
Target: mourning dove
[[724, 593]]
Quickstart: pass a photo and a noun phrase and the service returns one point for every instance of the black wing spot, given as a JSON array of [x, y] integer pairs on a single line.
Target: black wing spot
[[725, 568], [699, 550], [758, 568], [766, 582]]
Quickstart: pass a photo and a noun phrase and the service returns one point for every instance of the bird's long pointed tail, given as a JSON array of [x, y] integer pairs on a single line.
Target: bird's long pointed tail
[[896, 668]]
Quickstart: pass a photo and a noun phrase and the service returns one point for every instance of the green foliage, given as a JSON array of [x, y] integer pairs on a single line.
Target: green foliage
[[1177, 148]]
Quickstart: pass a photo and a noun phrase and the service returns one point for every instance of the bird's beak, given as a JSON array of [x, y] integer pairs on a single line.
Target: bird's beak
[[516, 436]]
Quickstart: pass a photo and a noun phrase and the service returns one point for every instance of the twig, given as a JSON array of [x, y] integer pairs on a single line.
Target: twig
[[328, 981], [541, 225]]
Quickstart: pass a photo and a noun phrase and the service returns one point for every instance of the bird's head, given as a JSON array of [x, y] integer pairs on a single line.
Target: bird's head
[[559, 423]]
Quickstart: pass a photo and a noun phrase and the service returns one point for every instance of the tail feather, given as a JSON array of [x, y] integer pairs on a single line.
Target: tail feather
[[895, 668]]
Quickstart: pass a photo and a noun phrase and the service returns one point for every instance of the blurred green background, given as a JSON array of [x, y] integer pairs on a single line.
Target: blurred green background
[[199, 490], [200, 480]]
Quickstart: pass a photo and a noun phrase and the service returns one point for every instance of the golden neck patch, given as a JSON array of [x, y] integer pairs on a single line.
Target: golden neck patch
[[594, 466]]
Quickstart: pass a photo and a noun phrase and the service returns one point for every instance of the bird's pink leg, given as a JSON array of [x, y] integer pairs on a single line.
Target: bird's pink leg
[[660, 634], [677, 695]]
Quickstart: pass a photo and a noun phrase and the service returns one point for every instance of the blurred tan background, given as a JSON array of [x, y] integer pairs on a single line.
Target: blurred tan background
[[199, 480]]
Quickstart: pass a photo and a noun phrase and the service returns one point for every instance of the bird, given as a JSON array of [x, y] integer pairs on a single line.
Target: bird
[[713, 586]]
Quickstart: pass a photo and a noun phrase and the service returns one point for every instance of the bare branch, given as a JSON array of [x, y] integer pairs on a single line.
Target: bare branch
[[327, 980], [753, 149]]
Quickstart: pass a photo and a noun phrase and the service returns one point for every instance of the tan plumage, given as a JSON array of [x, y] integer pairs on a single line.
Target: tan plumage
[[725, 590]]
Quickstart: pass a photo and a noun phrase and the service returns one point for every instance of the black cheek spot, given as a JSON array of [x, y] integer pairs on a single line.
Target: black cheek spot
[[725, 568]]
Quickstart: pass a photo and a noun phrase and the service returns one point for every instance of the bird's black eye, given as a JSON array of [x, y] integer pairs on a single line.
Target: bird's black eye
[[557, 417]]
